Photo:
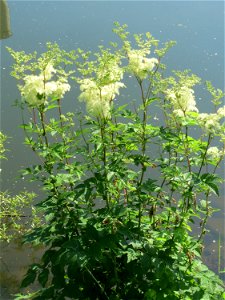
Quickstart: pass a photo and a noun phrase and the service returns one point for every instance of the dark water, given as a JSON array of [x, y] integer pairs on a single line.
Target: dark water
[[197, 26]]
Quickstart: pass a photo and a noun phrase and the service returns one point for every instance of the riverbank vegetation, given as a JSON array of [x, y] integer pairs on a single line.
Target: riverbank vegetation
[[14, 208], [126, 182]]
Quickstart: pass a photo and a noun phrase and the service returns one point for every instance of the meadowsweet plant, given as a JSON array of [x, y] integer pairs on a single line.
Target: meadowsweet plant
[[124, 189]]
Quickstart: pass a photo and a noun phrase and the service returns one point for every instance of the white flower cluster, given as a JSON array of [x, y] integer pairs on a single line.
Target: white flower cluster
[[211, 122], [182, 99], [47, 73], [111, 73], [139, 64], [37, 89], [98, 98], [214, 153], [221, 112]]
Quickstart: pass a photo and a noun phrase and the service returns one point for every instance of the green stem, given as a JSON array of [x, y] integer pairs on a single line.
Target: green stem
[[187, 149], [102, 130], [34, 116], [60, 112], [143, 150], [144, 123], [61, 125], [43, 127], [35, 125], [204, 155], [97, 282], [87, 148], [204, 221], [83, 136], [150, 84]]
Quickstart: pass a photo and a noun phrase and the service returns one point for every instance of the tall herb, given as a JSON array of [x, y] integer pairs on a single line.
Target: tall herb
[[118, 214]]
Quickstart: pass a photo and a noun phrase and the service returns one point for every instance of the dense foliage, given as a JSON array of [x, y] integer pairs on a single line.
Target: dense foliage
[[123, 184]]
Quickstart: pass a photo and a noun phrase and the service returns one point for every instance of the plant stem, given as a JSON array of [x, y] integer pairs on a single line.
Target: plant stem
[[34, 116], [60, 112], [43, 127], [61, 124], [25, 131], [144, 122], [143, 150], [102, 130], [84, 139], [204, 155], [187, 149], [205, 219], [97, 282]]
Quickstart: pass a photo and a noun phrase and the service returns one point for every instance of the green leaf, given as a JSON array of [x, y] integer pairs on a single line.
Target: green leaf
[[150, 295], [30, 276], [203, 203], [110, 175], [43, 277], [131, 255], [47, 293], [209, 179], [149, 185], [150, 100], [24, 297], [213, 187]]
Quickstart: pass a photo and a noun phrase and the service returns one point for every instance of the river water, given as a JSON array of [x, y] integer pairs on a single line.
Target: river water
[[198, 28]]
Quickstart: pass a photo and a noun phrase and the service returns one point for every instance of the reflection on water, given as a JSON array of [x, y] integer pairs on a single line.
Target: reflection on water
[[215, 239], [73, 24], [5, 31]]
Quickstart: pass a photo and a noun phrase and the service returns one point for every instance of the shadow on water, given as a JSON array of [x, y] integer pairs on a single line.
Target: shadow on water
[[214, 250], [14, 261]]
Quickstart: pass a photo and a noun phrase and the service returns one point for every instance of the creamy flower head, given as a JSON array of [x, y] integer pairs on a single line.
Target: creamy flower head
[[98, 98], [48, 71], [209, 122], [112, 72], [33, 90], [61, 89], [214, 153], [221, 112], [139, 64], [182, 99], [37, 90]]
